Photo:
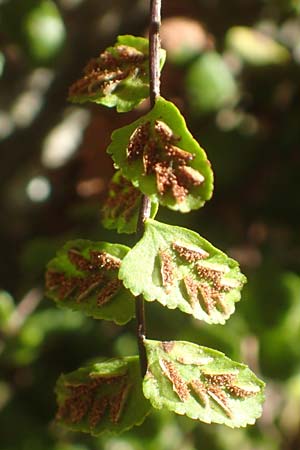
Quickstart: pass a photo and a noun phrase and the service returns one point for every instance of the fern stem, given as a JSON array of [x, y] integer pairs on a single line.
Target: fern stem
[[154, 50], [144, 214]]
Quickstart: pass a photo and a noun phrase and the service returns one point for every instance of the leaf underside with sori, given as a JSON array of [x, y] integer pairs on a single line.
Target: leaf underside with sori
[[102, 397], [201, 383], [84, 277], [120, 210], [117, 77], [183, 270], [160, 156]]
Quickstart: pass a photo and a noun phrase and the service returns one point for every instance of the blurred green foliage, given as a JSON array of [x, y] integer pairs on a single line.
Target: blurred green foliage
[[210, 84], [256, 48], [36, 25], [245, 110]]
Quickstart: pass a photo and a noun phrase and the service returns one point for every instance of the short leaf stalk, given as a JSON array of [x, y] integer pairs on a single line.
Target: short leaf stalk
[[159, 163]]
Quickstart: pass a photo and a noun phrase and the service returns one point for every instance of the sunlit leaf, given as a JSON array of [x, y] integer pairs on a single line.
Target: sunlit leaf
[[201, 383], [118, 77], [160, 156], [210, 84], [121, 208], [105, 396], [182, 270], [84, 277], [255, 47]]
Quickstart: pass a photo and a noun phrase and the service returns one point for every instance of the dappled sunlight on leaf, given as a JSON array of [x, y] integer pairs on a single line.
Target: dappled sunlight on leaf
[[182, 270], [160, 156], [201, 383]]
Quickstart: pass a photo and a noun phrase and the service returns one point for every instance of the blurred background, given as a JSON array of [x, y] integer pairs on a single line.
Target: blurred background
[[234, 71]]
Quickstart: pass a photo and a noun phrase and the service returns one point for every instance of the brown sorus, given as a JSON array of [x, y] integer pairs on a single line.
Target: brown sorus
[[97, 411], [239, 392], [190, 254], [200, 389], [220, 398], [168, 346], [76, 408], [206, 298], [220, 379], [107, 379], [89, 284], [67, 286], [181, 156], [122, 200], [105, 72], [167, 268], [108, 292], [188, 176], [58, 281], [179, 385], [117, 403], [104, 260], [211, 274], [53, 279], [79, 261], [191, 287], [137, 141], [165, 133]]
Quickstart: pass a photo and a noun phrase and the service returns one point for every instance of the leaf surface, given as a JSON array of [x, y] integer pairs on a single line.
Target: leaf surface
[[183, 270], [201, 383], [105, 396], [160, 156], [84, 277], [121, 208], [118, 77]]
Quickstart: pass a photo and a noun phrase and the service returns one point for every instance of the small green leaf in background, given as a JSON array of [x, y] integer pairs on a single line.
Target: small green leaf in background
[[160, 156], [210, 85], [256, 48], [182, 270], [105, 396], [121, 208], [36, 26], [45, 32], [84, 277], [201, 383], [118, 77]]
